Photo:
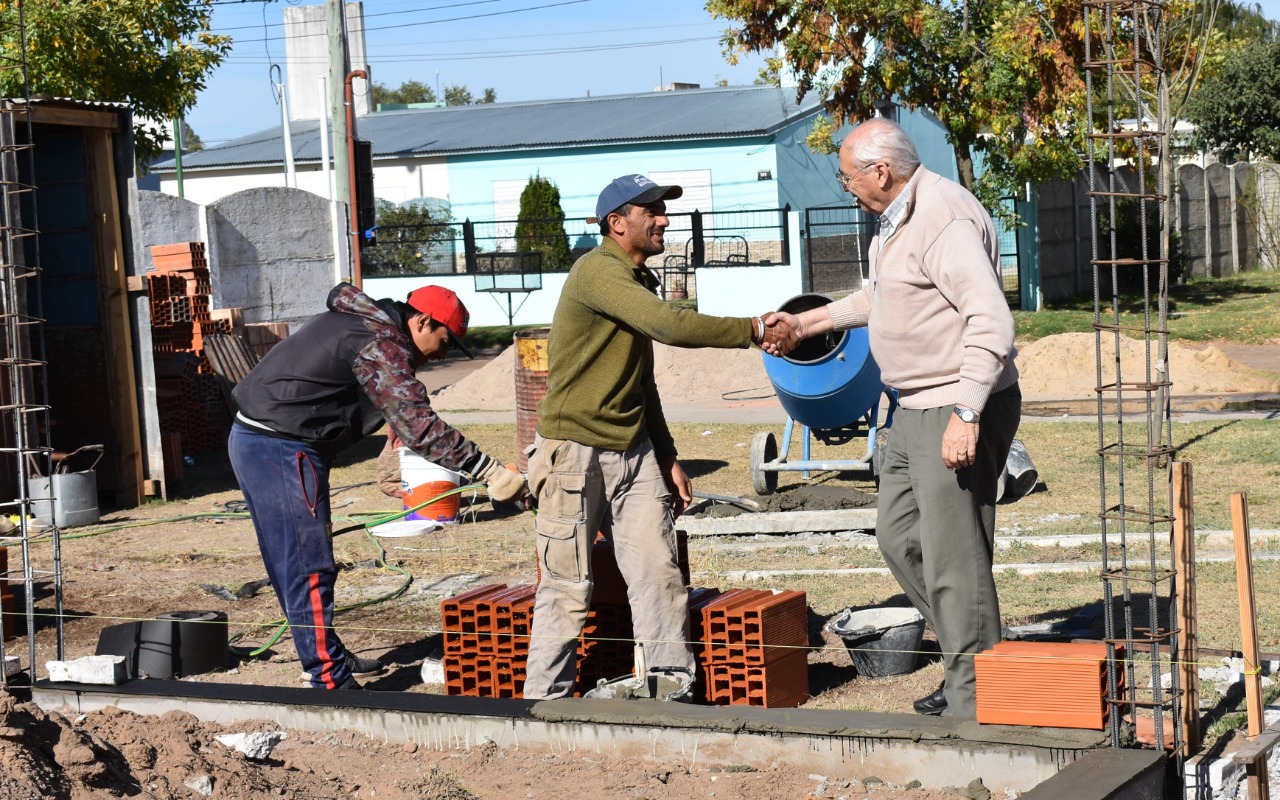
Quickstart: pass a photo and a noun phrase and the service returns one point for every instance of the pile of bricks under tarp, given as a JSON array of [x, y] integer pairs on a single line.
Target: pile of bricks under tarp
[[189, 401], [751, 645]]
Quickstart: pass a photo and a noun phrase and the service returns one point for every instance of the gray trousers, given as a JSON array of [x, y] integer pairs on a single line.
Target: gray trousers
[[582, 490], [936, 529]]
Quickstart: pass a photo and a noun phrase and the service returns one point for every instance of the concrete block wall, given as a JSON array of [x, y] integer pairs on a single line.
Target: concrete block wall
[[1226, 218], [272, 252]]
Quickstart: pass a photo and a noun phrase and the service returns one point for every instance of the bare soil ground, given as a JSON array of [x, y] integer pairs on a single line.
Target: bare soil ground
[[194, 552]]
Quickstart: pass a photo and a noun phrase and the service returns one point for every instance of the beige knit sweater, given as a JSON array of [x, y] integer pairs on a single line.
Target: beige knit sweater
[[935, 311]]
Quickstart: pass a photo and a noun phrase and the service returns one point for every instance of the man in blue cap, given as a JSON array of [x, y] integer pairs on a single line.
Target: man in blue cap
[[604, 460]]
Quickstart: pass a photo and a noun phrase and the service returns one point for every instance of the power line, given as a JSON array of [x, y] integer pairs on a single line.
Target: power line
[[499, 54], [423, 22]]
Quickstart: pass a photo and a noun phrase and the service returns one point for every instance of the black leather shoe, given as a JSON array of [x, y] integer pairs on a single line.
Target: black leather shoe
[[934, 703]]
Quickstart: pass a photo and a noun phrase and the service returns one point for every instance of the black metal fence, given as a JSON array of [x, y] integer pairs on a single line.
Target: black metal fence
[[836, 240], [694, 239]]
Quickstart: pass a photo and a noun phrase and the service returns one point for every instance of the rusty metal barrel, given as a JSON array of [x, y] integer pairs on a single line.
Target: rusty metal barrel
[[531, 386]]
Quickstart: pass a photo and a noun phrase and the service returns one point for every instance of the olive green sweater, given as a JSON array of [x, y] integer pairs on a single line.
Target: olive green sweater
[[600, 385]]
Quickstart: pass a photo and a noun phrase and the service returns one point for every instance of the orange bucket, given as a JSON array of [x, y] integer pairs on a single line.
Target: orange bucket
[[422, 480]]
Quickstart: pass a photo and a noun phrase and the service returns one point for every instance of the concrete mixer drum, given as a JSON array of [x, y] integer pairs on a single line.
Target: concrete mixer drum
[[831, 385]]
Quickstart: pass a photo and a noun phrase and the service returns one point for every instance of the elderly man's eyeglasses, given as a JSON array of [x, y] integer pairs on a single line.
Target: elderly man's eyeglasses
[[844, 179]]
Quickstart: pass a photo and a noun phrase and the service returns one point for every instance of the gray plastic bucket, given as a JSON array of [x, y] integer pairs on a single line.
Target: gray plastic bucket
[[881, 641]]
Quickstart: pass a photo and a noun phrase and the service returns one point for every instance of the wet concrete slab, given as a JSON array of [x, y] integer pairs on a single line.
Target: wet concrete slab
[[937, 751], [847, 519]]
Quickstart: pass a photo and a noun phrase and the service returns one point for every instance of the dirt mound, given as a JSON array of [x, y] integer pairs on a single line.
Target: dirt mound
[[1063, 367], [1060, 367], [684, 376]]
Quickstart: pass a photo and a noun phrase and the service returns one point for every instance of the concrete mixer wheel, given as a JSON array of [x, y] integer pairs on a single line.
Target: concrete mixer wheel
[[764, 448]]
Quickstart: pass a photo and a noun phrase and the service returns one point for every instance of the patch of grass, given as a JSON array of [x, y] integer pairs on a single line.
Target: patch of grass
[[1235, 719], [1243, 308]]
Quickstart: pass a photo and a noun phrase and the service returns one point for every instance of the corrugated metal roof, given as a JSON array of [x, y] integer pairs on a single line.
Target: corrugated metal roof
[[727, 112]]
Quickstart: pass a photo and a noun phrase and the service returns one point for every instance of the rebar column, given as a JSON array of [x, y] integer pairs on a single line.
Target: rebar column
[[1128, 147], [24, 408]]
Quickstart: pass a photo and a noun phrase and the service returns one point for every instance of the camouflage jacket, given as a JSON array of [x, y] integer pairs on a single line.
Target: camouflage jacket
[[338, 377]]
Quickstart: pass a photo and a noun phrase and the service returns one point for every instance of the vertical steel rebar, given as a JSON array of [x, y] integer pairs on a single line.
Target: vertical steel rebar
[[1125, 78], [22, 353]]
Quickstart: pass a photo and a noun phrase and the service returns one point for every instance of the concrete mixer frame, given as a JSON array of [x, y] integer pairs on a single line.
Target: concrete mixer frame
[[767, 461]]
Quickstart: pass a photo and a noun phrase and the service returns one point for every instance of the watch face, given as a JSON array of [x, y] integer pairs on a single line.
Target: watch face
[[966, 414]]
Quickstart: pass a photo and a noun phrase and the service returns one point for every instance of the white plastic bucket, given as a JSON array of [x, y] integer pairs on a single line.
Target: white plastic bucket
[[422, 480]]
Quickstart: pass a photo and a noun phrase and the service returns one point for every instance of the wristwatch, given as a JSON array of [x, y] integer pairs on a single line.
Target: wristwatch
[[967, 415]]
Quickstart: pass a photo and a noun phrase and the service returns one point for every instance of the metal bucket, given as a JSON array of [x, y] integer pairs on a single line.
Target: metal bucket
[[1019, 477], [828, 381], [881, 641], [531, 386], [67, 499]]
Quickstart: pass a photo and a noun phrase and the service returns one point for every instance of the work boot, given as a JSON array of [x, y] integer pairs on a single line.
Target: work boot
[[358, 665], [363, 666], [934, 703], [350, 683]]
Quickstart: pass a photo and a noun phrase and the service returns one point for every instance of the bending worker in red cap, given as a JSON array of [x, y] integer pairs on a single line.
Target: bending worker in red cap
[[320, 390]]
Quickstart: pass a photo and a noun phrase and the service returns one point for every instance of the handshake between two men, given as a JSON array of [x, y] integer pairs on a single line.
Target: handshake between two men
[[774, 334]]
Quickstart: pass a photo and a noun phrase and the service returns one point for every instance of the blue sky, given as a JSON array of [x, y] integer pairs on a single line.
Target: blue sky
[[523, 49]]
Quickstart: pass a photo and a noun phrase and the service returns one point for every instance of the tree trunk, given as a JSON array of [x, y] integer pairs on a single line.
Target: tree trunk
[[964, 166]]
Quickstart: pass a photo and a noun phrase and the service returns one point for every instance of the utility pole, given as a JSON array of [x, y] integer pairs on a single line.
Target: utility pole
[[336, 23]]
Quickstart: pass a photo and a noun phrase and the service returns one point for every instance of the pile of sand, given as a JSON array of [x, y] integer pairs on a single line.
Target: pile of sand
[[1060, 367], [684, 376], [1063, 367]]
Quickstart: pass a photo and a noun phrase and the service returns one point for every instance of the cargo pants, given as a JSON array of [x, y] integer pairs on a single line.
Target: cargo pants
[[583, 490], [936, 530]]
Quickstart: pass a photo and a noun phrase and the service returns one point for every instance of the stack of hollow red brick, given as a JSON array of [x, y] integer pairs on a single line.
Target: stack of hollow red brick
[[1048, 684], [750, 645], [187, 393], [755, 648]]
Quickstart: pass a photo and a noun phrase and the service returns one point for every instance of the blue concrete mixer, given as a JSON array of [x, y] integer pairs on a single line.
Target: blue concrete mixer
[[830, 385]]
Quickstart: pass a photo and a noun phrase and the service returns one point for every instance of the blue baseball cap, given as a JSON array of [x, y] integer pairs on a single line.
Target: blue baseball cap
[[635, 189]]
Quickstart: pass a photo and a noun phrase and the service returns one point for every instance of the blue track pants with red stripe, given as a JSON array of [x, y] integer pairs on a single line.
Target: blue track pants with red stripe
[[286, 487]]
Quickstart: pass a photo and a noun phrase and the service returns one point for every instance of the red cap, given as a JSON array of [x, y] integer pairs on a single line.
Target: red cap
[[443, 306]]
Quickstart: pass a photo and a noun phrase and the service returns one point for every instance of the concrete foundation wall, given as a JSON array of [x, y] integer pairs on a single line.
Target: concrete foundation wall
[[937, 751]]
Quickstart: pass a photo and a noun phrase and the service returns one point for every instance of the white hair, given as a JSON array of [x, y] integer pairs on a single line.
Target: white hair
[[883, 141]]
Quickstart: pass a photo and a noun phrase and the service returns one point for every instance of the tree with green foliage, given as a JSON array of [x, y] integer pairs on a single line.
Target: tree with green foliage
[[1002, 76], [405, 93], [540, 224], [419, 92], [413, 238], [115, 51], [461, 96], [191, 141], [1237, 111]]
